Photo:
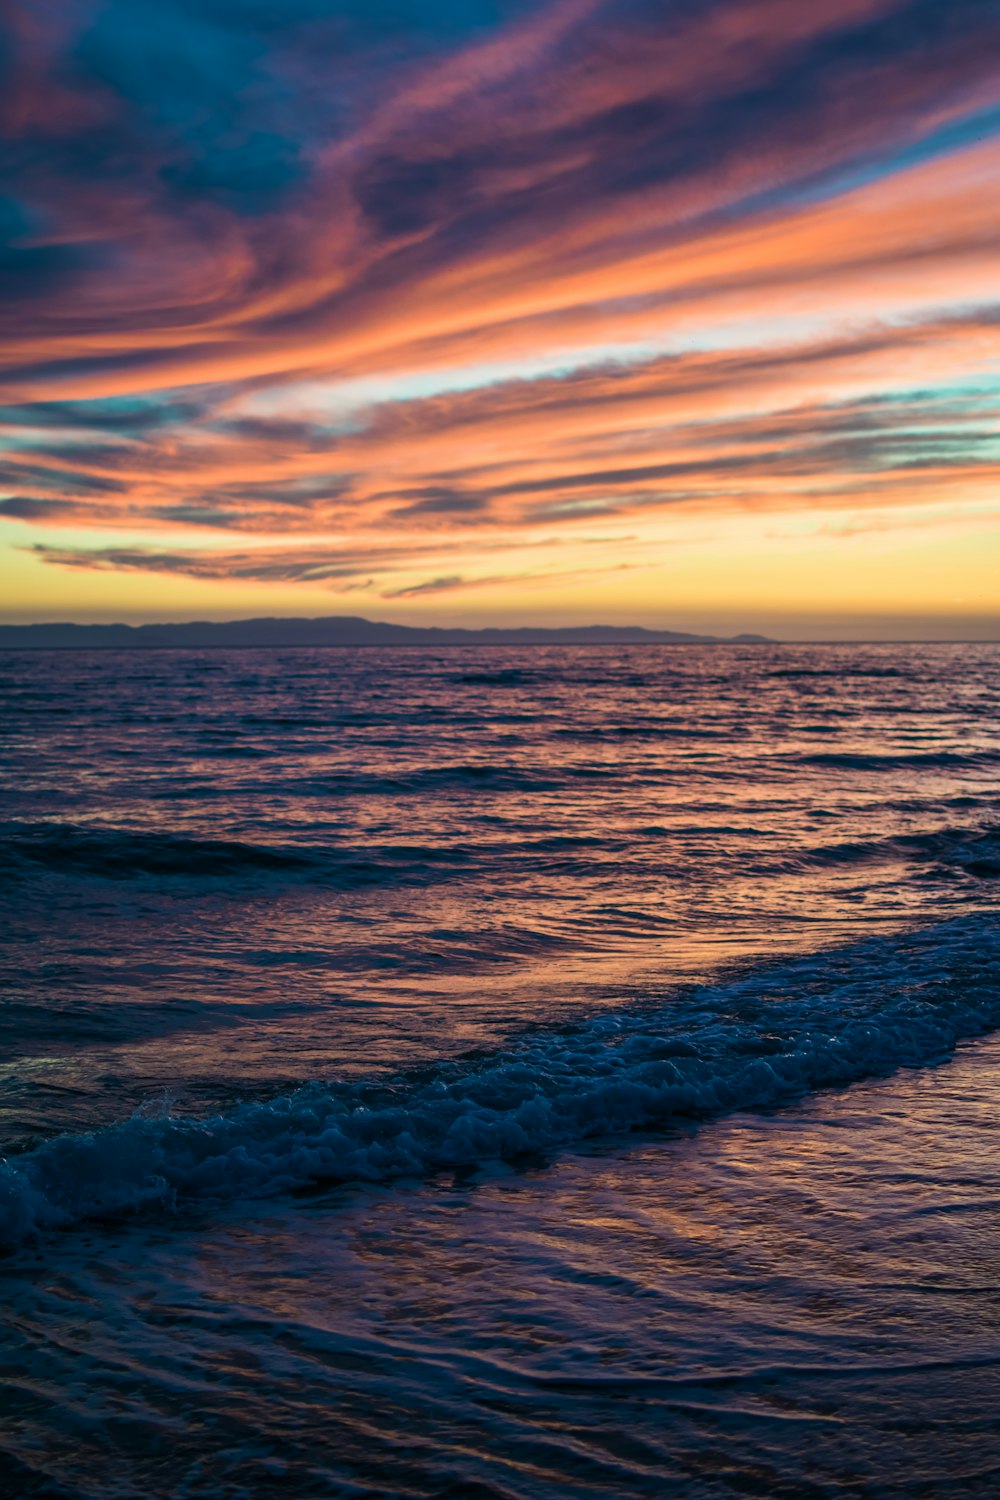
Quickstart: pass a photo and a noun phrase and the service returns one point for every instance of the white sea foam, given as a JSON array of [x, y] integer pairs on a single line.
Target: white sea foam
[[817, 1021]]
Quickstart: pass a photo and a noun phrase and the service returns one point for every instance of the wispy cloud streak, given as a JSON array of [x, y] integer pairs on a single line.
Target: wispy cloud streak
[[757, 242]]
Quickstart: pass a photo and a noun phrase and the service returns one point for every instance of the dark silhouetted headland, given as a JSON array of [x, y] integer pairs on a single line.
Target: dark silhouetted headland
[[339, 630]]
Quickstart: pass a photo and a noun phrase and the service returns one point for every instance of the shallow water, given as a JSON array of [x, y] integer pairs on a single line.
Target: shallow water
[[408, 932], [789, 1305]]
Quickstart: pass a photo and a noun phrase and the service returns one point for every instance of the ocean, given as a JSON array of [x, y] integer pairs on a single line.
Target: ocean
[[527, 1072]]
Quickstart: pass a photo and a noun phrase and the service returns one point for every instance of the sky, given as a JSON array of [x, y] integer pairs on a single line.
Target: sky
[[684, 314]]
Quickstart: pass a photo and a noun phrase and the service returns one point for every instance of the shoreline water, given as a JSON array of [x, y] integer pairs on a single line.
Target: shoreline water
[[773, 1304]]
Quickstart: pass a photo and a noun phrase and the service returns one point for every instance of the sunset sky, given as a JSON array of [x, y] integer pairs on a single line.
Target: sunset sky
[[681, 313]]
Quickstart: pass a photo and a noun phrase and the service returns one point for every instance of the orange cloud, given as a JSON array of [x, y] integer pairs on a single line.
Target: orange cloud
[[796, 201]]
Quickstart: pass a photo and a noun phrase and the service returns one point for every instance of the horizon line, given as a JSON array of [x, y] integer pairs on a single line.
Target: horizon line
[[555, 634]]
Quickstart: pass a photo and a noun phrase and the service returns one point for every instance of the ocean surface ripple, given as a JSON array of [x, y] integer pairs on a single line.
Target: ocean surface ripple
[[381, 1031]]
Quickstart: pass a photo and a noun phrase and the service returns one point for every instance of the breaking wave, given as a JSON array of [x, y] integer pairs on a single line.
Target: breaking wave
[[758, 1040]]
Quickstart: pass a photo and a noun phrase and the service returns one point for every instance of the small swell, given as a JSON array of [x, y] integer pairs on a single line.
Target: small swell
[[650, 731], [118, 853], [503, 677], [839, 672], [125, 854], [917, 760], [821, 1020], [489, 776], [972, 851]]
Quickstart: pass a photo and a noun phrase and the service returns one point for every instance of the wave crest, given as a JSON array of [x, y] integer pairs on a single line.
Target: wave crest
[[825, 1019]]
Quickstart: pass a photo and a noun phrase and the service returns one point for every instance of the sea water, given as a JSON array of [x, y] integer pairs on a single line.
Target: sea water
[[479, 1072]]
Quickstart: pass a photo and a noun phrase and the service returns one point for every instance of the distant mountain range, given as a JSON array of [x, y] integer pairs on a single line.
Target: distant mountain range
[[340, 630]]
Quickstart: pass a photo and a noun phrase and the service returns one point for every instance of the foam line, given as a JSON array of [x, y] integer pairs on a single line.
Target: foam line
[[825, 1019]]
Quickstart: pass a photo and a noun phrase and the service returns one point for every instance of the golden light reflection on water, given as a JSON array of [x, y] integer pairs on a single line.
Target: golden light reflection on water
[[279, 866]]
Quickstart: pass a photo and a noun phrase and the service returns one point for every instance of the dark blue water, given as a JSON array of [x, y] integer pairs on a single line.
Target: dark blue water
[[320, 972]]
